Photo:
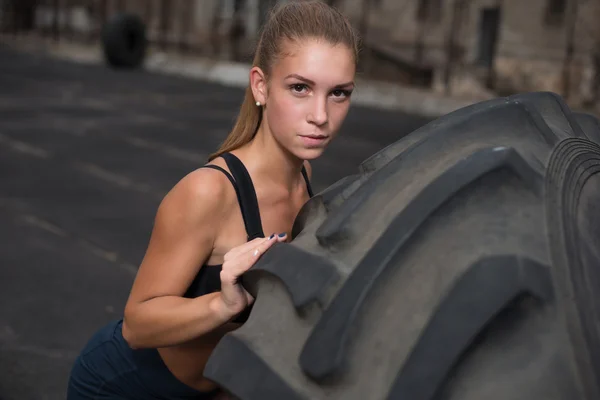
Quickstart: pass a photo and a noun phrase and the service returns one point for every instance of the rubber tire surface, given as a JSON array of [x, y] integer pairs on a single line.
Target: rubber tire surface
[[459, 263], [124, 41]]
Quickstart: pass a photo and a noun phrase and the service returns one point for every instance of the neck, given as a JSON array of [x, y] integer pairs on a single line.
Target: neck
[[268, 158]]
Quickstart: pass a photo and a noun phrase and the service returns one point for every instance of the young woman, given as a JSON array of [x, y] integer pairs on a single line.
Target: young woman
[[210, 228]]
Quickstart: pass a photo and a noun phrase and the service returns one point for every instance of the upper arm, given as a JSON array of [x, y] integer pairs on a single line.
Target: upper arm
[[182, 237]]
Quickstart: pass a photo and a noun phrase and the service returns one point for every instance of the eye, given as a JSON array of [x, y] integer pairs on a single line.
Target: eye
[[341, 93], [298, 87]]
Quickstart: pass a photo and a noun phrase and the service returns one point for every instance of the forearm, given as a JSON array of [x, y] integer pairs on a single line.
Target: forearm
[[171, 320]]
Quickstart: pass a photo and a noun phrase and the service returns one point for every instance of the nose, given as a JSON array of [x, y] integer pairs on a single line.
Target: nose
[[318, 113]]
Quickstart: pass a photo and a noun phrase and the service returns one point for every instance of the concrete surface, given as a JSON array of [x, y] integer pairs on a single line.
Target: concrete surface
[[86, 154]]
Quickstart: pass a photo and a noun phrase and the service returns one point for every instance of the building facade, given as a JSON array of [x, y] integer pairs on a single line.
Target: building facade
[[505, 45]]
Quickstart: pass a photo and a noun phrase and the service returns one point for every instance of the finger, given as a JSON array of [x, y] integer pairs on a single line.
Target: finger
[[262, 247], [242, 263], [249, 298], [282, 237], [247, 249], [236, 251]]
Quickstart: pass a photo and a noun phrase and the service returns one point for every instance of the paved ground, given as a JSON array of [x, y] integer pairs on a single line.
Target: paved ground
[[86, 154]]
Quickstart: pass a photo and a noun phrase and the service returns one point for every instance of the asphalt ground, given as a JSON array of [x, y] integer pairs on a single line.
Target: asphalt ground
[[86, 154]]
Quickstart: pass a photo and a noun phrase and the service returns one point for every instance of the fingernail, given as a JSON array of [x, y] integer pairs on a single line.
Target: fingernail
[[282, 234], [272, 236]]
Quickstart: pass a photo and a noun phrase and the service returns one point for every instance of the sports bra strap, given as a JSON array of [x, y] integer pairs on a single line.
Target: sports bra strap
[[223, 170], [246, 195], [308, 187], [249, 202], [237, 193]]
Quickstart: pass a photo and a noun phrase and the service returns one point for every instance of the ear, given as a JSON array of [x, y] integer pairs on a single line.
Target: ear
[[258, 84]]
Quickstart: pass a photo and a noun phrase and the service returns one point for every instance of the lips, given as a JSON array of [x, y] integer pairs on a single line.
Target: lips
[[315, 136], [313, 140]]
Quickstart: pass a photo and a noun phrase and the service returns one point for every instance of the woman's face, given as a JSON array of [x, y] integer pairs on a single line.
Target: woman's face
[[308, 95]]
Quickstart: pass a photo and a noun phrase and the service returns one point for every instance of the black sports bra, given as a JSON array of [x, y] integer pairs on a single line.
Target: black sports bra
[[208, 279]]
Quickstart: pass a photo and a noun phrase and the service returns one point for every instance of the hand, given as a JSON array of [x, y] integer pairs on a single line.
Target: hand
[[234, 298]]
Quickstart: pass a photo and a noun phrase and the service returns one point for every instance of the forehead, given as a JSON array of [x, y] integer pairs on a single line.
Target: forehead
[[317, 60]]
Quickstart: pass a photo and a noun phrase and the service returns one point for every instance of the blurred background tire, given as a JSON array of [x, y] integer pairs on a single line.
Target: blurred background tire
[[124, 41]]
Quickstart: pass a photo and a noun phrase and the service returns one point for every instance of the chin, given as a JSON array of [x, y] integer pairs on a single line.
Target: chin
[[309, 153]]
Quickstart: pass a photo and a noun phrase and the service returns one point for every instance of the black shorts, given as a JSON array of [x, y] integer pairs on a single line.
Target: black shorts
[[108, 368]]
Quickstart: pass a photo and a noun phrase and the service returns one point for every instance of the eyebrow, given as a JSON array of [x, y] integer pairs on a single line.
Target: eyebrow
[[299, 77]]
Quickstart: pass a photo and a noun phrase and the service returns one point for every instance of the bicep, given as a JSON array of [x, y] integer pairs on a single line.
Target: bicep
[[181, 240]]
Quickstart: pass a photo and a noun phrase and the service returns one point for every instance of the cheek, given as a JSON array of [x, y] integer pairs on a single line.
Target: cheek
[[338, 113], [284, 113]]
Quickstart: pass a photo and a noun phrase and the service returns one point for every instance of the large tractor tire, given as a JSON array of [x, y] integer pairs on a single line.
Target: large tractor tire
[[124, 41], [461, 263]]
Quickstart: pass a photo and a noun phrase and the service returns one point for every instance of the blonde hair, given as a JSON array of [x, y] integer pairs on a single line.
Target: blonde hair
[[293, 20]]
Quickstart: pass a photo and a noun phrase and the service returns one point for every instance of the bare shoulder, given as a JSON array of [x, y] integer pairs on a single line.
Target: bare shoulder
[[193, 210], [200, 193], [183, 235]]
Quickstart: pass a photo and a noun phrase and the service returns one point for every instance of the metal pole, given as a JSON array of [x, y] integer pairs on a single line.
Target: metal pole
[[184, 29], [450, 44], [363, 27], [55, 26], [237, 30], [364, 21], [164, 23], [570, 47], [13, 19], [419, 44], [103, 17], [68, 21], [491, 72], [148, 16]]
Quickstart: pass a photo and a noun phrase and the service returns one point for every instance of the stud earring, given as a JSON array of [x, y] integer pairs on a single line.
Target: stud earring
[[258, 103]]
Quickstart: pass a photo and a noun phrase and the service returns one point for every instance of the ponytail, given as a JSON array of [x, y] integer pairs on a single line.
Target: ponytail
[[245, 127]]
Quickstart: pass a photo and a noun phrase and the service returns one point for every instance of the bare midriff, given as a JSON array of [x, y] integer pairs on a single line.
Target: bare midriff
[[187, 361]]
